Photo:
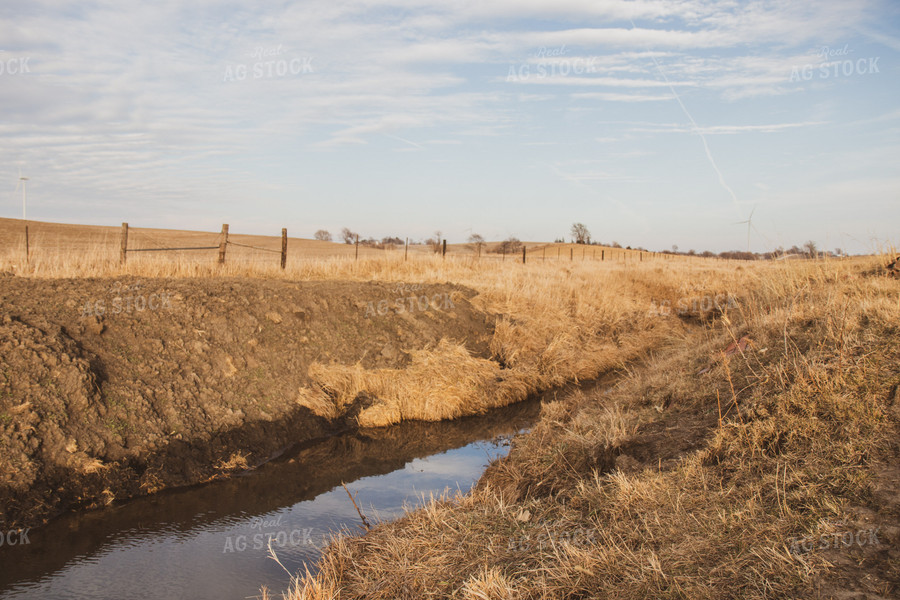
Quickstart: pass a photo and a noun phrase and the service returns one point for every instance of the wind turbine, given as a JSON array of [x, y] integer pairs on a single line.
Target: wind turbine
[[749, 223]]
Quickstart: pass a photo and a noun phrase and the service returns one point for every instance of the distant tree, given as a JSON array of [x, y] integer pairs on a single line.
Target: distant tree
[[580, 234], [435, 242], [477, 242], [838, 252], [738, 255], [511, 245], [616, 245], [322, 236], [692, 252], [674, 248], [348, 236], [395, 241], [559, 241], [811, 249]]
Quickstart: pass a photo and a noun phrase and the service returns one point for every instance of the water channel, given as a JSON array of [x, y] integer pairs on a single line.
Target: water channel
[[210, 541]]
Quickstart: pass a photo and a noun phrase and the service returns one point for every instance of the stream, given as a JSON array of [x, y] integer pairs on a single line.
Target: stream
[[211, 541]]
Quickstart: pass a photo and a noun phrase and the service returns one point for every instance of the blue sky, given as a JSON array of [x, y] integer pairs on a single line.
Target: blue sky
[[654, 123]]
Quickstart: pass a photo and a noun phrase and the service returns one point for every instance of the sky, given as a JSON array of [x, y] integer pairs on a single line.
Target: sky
[[655, 123]]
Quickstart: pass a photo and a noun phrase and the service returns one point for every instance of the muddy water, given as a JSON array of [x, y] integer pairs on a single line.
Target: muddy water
[[211, 541]]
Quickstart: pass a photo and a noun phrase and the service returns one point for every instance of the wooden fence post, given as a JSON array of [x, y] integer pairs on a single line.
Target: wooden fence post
[[223, 243], [124, 249], [602, 255], [444, 249], [523, 255], [571, 254], [283, 247], [27, 247], [357, 248], [406, 250]]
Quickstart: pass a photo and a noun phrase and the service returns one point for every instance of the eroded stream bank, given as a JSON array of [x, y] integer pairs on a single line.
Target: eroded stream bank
[[107, 392], [209, 541]]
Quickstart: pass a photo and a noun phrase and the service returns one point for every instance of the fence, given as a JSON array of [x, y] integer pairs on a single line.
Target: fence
[[621, 253], [222, 246], [126, 241]]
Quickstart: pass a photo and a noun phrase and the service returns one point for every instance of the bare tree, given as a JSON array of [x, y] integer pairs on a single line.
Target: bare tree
[[322, 235], [435, 242], [348, 236], [477, 241], [811, 249], [580, 234], [510, 245]]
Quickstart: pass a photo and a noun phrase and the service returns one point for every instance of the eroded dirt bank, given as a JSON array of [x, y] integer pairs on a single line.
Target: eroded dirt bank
[[112, 388]]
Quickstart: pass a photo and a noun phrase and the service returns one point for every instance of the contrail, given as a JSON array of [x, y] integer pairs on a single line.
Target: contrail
[[405, 141], [709, 155]]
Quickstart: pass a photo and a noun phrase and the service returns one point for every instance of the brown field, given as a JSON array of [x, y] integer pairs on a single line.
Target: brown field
[[62, 250], [757, 404]]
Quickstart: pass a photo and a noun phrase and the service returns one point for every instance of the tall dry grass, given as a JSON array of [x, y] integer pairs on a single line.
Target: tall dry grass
[[791, 434]]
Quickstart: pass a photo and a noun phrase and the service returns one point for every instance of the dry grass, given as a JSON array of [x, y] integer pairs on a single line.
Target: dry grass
[[805, 421], [558, 323], [442, 383], [61, 250], [236, 462]]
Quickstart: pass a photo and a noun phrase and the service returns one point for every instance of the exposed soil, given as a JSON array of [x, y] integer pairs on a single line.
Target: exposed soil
[[111, 388]]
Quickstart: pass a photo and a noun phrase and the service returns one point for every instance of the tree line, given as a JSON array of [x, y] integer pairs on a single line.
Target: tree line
[[579, 234]]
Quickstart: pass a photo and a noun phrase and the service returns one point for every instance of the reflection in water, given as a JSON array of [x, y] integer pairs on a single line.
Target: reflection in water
[[210, 541]]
